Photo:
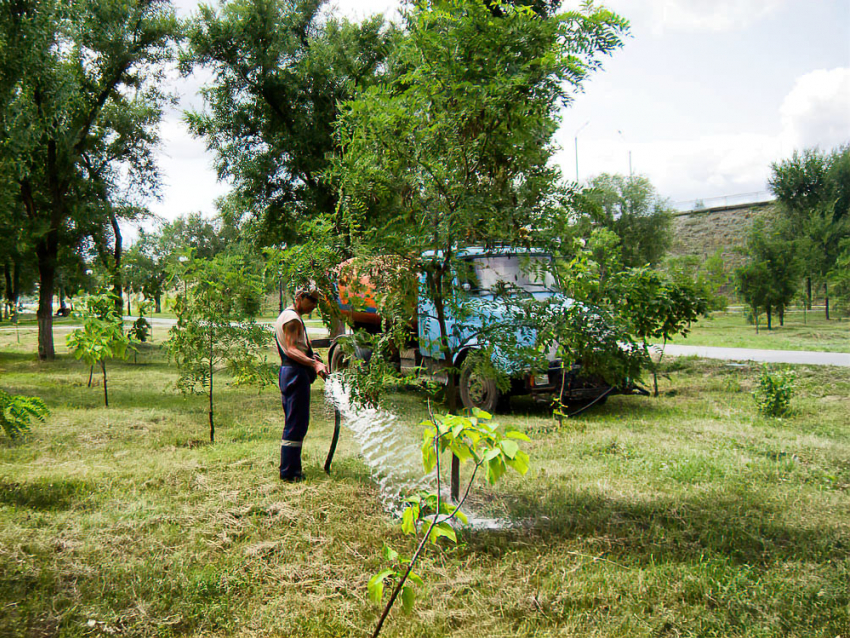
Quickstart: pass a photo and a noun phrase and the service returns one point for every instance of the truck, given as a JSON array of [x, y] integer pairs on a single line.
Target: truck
[[489, 283]]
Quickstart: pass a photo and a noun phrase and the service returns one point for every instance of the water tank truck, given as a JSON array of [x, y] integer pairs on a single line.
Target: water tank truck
[[487, 274]]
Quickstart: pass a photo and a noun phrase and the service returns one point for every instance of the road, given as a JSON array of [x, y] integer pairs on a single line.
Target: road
[[806, 357], [767, 356]]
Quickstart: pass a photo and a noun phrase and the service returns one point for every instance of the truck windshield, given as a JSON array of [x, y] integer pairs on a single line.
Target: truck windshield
[[510, 274]]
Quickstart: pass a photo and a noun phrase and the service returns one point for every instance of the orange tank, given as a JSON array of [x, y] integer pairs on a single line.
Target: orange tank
[[359, 286]]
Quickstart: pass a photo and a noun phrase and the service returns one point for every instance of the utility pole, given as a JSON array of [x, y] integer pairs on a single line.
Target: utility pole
[[576, 141]]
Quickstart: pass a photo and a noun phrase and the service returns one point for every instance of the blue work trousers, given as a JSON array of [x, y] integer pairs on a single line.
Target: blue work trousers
[[294, 384]]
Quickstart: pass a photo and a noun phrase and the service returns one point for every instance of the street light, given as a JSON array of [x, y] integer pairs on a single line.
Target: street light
[[576, 140], [623, 137]]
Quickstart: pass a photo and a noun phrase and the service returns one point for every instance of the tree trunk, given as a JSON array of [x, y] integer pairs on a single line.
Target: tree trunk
[[157, 300], [782, 316], [756, 316], [769, 315], [808, 293], [212, 426], [129, 307], [7, 273], [105, 393], [46, 251], [117, 279], [63, 307], [91, 374], [826, 299]]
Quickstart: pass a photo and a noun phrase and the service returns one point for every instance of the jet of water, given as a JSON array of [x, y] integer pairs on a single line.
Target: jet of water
[[392, 455]]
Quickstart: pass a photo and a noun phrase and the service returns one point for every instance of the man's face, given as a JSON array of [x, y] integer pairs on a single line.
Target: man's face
[[307, 304]]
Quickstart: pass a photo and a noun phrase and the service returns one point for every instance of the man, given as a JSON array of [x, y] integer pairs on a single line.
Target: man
[[299, 366]]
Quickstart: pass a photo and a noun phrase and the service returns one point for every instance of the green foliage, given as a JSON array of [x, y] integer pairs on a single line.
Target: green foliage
[[427, 517], [768, 280], [17, 411], [102, 336], [774, 391], [141, 328], [282, 70], [81, 99], [631, 208], [453, 148], [813, 190], [215, 325]]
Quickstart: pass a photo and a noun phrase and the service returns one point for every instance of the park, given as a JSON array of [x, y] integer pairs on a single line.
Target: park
[[527, 428]]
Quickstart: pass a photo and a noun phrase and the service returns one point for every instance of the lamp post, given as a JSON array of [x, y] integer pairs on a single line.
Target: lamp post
[[623, 137], [576, 141]]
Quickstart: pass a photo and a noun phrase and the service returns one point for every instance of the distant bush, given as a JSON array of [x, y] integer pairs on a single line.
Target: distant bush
[[774, 391]]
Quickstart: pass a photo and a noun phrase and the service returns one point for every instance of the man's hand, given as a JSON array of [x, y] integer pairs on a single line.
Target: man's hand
[[320, 367]]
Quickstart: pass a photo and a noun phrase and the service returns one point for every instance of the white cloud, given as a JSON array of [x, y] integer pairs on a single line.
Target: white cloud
[[817, 110], [696, 15]]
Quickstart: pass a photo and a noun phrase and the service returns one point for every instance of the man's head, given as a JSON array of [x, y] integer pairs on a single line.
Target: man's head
[[306, 299]]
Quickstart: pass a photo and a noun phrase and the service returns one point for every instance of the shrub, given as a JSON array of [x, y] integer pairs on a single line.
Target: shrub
[[774, 392]]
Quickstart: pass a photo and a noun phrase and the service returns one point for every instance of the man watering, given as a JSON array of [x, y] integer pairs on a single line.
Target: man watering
[[299, 367]]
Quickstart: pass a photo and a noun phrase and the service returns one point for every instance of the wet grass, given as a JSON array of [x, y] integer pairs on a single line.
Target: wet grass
[[685, 515], [802, 331]]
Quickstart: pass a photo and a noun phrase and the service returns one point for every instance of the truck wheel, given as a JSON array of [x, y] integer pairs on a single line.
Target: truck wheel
[[478, 390], [338, 359]]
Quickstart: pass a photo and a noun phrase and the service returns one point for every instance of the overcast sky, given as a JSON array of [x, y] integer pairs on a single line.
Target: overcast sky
[[704, 95]]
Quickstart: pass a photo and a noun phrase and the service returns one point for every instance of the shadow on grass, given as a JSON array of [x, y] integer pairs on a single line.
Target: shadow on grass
[[45, 495], [736, 525]]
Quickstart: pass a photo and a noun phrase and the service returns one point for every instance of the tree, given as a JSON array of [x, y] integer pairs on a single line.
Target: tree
[[656, 307], [813, 190], [453, 149], [79, 117], [215, 326], [631, 208], [102, 336], [281, 72]]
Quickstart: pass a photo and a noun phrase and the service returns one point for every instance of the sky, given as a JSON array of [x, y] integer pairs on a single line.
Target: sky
[[701, 99]]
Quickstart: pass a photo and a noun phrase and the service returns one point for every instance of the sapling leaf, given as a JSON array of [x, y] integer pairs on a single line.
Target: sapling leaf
[[509, 448], [389, 553], [443, 530], [408, 519], [514, 434], [408, 596], [519, 462], [375, 586]]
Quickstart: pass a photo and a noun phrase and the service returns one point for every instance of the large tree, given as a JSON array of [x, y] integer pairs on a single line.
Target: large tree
[[281, 70], [813, 191], [78, 125], [631, 208], [454, 148]]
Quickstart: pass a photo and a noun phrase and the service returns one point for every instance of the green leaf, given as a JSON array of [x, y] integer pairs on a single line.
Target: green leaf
[[519, 462], [443, 530], [408, 596], [408, 519], [514, 434], [389, 553], [509, 448], [375, 586]]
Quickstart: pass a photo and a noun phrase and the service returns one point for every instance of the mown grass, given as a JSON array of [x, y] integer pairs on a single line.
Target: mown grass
[[685, 515], [809, 331]]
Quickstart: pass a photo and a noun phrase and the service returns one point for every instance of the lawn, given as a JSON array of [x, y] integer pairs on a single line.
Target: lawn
[[802, 331], [684, 515]]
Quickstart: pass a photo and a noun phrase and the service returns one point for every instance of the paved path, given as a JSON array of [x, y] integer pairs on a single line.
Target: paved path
[[727, 354], [767, 356]]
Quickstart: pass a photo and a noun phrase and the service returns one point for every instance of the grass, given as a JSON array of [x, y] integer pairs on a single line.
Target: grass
[[685, 515], [809, 331]]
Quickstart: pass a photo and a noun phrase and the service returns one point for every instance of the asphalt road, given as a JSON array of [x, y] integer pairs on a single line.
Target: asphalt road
[[726, 354]]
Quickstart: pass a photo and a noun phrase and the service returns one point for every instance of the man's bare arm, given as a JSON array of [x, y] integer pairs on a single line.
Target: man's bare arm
[[292, 332]]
